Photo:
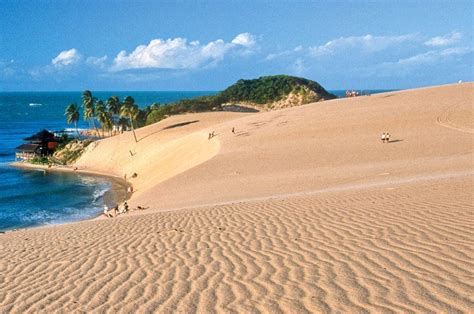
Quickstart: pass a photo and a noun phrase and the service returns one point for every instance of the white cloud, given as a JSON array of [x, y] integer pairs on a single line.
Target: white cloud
[[367, 43], [447, 40], [244, 39], [410, 64], [284, 53], [433, 56], [97, 61], [66, 58], [178, 53]]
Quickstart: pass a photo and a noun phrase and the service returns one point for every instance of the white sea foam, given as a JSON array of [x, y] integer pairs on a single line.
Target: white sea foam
[[35, 104], [73, 130], [100, 192]]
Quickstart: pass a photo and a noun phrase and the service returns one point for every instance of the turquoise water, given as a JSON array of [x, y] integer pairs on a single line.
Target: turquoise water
[[31, 198]]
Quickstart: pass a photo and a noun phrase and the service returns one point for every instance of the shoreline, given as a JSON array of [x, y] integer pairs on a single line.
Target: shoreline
[[120, 195]]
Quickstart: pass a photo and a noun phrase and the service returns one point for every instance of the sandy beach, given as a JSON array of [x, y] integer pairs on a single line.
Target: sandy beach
[[300, 210]]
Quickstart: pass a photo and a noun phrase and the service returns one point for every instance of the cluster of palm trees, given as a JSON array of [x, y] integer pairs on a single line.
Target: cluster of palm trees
[[109, 114]]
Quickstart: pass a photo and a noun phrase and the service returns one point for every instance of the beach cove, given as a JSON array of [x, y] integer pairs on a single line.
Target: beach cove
[[299, 210]]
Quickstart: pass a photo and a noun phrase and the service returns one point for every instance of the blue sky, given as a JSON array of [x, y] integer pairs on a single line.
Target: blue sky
[[208, 45]]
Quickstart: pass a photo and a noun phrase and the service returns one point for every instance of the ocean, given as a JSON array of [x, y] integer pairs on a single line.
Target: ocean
[[31, 198]]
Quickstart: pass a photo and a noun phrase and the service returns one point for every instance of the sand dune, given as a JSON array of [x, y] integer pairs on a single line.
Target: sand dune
[[303, 210]]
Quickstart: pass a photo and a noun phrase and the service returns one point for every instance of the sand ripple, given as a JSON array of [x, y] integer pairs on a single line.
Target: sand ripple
[[381, 251]]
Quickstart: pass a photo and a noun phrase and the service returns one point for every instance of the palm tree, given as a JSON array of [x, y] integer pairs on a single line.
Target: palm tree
[[88, 103], [113, 105], [130, 110], [103, 116], [72, 116]]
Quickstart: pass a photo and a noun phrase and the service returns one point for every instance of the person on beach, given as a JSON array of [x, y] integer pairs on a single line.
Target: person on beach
[[108, 213], [383, 137], [233, 130]]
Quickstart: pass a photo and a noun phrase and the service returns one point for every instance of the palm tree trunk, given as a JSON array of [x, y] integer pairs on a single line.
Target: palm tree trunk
[[95, 127], [133, 129], [77, 131]]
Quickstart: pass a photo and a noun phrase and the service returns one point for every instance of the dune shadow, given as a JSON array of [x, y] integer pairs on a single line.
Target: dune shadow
[[395, 141], [177, 125]]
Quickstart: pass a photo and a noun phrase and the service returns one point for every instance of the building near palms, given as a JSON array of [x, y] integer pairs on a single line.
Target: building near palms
[[40, 144]]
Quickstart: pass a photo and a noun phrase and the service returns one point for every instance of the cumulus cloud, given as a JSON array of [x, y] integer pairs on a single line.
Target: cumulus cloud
[[367, 43], [245, 39], [447, 40], [178, 53], [66, 58]]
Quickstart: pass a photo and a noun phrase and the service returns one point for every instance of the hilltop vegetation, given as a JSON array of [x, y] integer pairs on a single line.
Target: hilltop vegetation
[[266, 92], [267, 89]]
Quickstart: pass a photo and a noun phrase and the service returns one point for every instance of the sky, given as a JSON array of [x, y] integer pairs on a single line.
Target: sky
[[145, 45]]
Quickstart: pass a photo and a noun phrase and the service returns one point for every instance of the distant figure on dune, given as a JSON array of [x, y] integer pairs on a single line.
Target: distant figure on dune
[[387, 137], [233, 130], [383, 137]]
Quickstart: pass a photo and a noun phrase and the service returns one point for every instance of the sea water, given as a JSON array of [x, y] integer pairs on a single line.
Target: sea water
[[31, 197]]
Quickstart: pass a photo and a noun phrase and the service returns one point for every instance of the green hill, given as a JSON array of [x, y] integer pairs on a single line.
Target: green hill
[[267, 89], [264, 93]]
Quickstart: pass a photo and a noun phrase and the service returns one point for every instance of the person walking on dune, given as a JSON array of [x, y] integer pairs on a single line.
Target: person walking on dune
[[387, 137], [383, 137]]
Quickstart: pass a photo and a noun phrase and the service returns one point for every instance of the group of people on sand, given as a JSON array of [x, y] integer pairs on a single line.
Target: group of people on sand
[[352, 93], [211, 135], [119, 210], [385, 137], [116, 210]]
